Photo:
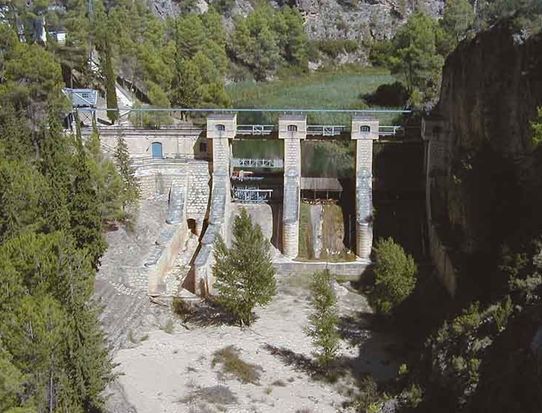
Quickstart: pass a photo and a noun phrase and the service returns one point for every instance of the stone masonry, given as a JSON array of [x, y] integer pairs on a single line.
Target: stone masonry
[[292, 129], [364, 131], [221, 129]]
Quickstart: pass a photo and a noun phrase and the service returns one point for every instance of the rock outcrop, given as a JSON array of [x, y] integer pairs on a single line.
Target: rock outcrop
[[333, 19], [484, 187]]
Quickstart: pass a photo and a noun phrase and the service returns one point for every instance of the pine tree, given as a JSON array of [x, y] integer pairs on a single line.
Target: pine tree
[[130, 183], [12, 383], [244, 274], [323, 320], [415, 59], [185, 90]]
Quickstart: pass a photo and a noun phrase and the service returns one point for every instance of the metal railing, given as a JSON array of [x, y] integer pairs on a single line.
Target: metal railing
[[255, 129], [257, 163], [252, 195], [326, 130], [390, 130]]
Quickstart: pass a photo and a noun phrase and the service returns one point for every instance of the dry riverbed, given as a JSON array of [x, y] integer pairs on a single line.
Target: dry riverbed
[[167, 366], [173, 367]]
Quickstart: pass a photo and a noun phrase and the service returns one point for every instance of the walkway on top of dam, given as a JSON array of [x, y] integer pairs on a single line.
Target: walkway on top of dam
[[130, 118]]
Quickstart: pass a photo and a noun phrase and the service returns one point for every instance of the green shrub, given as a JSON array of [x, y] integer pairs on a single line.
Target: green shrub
[[335, 47], [468, 321], [536, 127], [395, 276], [232, 364], [181, 308], [502, 313], [413, 396]]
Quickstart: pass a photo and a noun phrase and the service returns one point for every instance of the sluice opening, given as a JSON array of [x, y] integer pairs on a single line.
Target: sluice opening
[[257, 169], [327, 213]]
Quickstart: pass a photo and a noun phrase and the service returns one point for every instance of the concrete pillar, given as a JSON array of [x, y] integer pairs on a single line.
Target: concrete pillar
[[364, 131], [292, 129], [221, 128]]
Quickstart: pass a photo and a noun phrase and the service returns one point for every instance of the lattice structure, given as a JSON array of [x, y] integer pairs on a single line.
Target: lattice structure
[[325, 130], [257, 163], [253, 195], [255, 129]]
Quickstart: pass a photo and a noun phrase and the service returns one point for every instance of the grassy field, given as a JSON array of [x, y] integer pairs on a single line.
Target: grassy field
[[319, 90]]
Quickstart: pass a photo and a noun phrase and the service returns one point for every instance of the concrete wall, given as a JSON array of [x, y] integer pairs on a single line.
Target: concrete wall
[[176, 143], [168, 245]]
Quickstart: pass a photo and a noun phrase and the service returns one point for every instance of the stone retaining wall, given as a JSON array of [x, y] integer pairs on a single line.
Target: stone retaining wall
[[352, 268]]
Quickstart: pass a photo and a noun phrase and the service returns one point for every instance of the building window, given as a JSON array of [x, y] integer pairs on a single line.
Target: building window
[[220, 128], [292, 128], [203, 147], [365, 128], [157, 150]]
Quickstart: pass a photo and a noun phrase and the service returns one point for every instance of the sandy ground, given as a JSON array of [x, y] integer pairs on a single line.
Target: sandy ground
[[172, 372], [169, 370]]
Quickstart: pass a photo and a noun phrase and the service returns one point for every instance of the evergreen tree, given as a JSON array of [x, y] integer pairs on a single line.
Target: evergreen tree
[[85, 217], [255, 43], [457, 23], [55, 163], [292, 38], [324, 319], [107, 180], [415, 59], [110, 84], [190, 35], [59, 279], [25, 192], [395, 275], [12, 383], [458, 19], [244, 274], [130, 184], [186, 85]]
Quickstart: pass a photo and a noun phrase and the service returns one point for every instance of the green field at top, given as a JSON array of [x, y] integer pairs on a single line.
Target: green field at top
[[342, 89]]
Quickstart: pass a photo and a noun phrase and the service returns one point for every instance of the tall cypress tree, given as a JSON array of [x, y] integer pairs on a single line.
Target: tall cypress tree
[[110, 82], [130, 183], [107, 180], [85, 218]]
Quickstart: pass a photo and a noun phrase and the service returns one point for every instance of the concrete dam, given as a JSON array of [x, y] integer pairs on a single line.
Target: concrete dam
[[204, 184]]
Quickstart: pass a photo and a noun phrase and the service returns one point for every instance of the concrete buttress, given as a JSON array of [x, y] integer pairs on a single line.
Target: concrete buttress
[[364, 132], [221, 129], [292, 129]]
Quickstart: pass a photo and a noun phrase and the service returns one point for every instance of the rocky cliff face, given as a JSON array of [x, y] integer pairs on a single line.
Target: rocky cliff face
[[486, 188], [333, 19]]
